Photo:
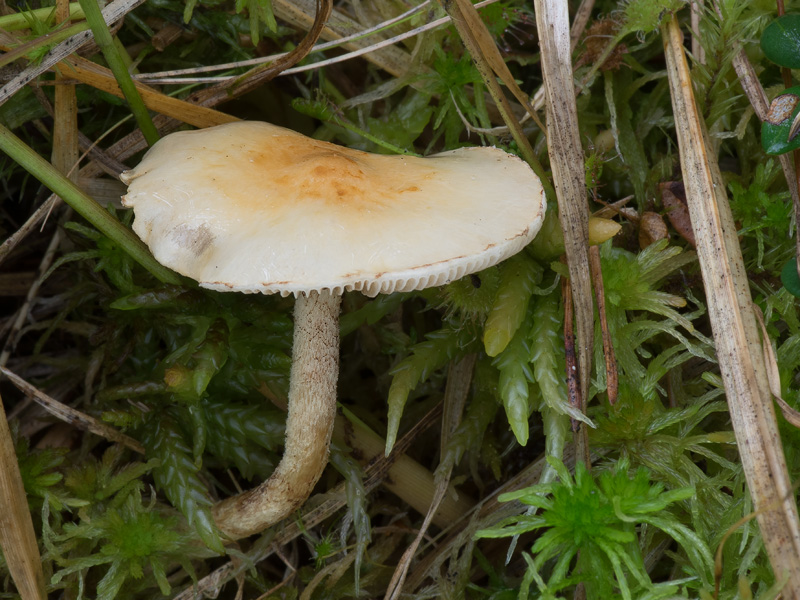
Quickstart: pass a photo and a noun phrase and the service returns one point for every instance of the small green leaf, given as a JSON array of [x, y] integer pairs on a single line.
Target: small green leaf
[[519, 276], [790, 279], [437, 350], [515, 373], [781, 41], [775, 129]]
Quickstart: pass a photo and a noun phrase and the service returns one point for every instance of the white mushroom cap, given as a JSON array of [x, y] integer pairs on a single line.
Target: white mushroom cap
[[253, 207]]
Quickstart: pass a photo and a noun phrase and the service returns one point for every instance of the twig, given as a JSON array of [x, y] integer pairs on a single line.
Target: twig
[[300, 14], [612, 376], [28, 226], [33, 291], [265, 73]]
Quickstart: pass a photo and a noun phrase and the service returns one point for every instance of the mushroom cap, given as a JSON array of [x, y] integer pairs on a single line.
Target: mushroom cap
[[252, 207]]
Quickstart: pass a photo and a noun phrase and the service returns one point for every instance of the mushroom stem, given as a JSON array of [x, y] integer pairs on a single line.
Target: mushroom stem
[[312, 408]]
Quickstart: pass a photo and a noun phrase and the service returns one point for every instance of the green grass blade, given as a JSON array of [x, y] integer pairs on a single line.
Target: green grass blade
[[90, 210], [18, 20], [117, 65]]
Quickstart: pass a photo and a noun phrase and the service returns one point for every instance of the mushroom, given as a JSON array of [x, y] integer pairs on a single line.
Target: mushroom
[[252, 207]]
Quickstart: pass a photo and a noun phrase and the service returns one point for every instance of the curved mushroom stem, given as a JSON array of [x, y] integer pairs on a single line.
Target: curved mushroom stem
[[312, 408]]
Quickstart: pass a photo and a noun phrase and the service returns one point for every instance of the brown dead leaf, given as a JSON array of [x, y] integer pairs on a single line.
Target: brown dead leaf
[[782, 108], [673, 196], [651, 229]]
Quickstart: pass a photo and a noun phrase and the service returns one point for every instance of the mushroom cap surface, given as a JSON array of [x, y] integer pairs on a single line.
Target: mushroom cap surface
[[254, 207]]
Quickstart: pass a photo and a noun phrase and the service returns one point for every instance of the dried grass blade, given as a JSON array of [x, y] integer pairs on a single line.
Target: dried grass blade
[[65, 117], [17, 537], [773, 373], [64, 157], [114, 11], [300, 14], [101, 78], [474, 35], [70, 415], [733, 323], [459, 380], [580, 20], [566, 160], [466, 17]]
